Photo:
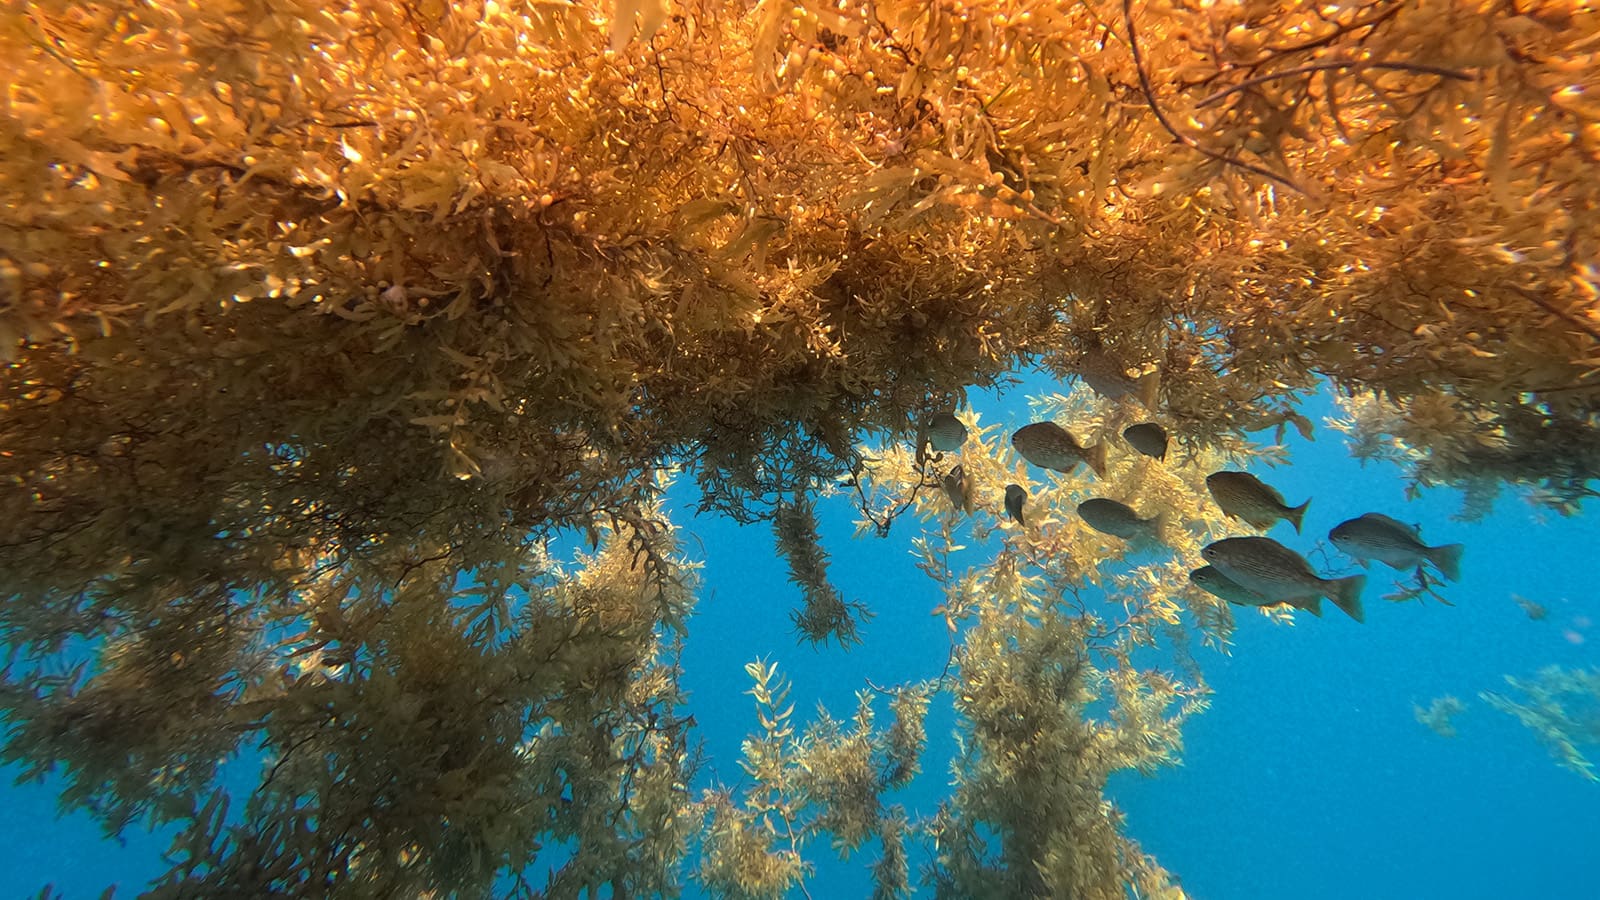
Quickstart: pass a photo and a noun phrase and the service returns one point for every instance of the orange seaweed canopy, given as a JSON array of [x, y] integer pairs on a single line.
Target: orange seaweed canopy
[[653, 225]]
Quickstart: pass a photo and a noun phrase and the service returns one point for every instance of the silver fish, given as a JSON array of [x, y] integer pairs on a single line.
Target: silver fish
[[1244, 496], [1119, 520], [946, 433], [1015, 497], [955, 487], [1211, 580], [1049, 446], [1376, 536], [1147, 438], [1274, 571]]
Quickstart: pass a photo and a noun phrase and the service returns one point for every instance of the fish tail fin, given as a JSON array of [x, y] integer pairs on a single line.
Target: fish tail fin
[[1148, 388], [1153, 531], [1297, 513], [1346, 595], [1448, 559], [1096, 458], [1160, 525]]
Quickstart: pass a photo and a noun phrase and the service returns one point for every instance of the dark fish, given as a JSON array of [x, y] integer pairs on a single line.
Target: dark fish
[[1108, 377], [1015, 497], [946, 433], [1274, 571], [1376, 536], [955, 487], [1147, 438], [1244, 496], [1049, 446], [1119, 520], [1211, 580]]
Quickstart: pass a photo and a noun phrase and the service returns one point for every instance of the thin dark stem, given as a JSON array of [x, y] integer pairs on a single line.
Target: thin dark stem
[[1337, 33], [1422, 68], [267, 783], [1563, 315], [1191, 143], [413, 566]]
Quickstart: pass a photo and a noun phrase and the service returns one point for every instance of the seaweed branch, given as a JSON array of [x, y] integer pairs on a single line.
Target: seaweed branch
[[1161, 116], [1334, 65]]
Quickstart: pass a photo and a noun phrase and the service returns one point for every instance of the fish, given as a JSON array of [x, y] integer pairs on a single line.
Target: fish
[[955, 487], [945, 432], [1244, 496], [1211, 580], [1377, 536], [1268, 568], [1108, 377], [1534, 610], [1049, 446], [1147, 438], [1015, 497], [1439, 713], [1119, 520]]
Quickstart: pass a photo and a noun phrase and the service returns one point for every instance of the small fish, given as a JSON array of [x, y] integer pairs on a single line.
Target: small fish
[[1376, 536], [1211, 580], [946, 433], [955, 487], [1244, 496], [1049, 446], [1439, 713], [1015, 497], [1119, 520], [1534, 610], [1108, 377], [1147, 438], [1274, 571]]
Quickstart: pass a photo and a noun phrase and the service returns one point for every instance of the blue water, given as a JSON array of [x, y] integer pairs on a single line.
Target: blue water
[[1308, 778]]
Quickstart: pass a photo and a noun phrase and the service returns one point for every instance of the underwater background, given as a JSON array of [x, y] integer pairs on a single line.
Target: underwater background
[[1311, 775], [320, 319]]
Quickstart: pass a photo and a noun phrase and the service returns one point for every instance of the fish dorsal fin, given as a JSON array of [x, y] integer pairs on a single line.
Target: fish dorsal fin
[[1412, 530]]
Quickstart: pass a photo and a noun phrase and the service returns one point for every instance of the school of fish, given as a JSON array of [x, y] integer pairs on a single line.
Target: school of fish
[[1245, 571]]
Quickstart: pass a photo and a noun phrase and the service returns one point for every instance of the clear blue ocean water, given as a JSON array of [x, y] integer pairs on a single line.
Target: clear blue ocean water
[[1309, 778]]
